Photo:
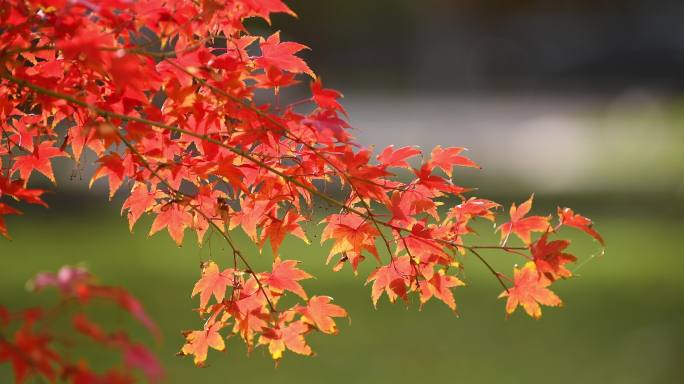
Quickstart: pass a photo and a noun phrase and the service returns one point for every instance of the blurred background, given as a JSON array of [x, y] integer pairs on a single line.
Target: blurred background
[[579, 101]]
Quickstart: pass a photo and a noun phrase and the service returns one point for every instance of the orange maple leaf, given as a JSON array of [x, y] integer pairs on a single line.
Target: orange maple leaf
[[523, 226], [138, 202], [529, 290], [212, 282], [391, 279], [175, 219], [319, 313], [278, 229], [197, 343], [439, 285], [290, 336], [285, 276], [352, 235]]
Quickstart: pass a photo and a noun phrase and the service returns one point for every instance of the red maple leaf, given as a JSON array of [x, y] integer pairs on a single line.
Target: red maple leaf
[[115, 168], [569, 218], [31, 352], [529, 290], [326, 98], [523, 226], [16, 190], [38, 161], [263, 8], [281, 55], [448, 158], [6, 210], [550, 259], [390, 157]]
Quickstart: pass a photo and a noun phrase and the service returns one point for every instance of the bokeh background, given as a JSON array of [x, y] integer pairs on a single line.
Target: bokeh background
[[578, 101]]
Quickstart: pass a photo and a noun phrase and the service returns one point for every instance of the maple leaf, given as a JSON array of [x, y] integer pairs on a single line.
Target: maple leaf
[[391, 279], [38, 161], [529, 290], [212, 282], [115, 169], [389, 157], [351, 236], [263, 8], [281, 55], [448, 158], [26, 130], [404, 205], [286, 336], [16, 190], [231, 172], [474, 207], [275, 78], [138, 202], [173, 217], [439, 285], [197, 343], [319, 312], [30, 352], [131, 71], [435, 183], [550, 259], [278, 229], [523, 226], [569, 218], [252, 213], [85, 47], [326, 98], [285, 276], [6, 210]]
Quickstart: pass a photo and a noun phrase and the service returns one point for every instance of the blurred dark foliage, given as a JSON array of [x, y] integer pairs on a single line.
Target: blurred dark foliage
[[468, 45]]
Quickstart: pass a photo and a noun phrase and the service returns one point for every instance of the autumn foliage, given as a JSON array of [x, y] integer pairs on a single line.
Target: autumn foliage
[[34, 349], [164, 94]]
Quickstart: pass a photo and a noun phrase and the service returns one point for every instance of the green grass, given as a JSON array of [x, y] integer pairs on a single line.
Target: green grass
[[622, 322]]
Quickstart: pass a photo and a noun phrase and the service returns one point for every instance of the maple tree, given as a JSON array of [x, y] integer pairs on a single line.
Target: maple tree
[[164, 94]]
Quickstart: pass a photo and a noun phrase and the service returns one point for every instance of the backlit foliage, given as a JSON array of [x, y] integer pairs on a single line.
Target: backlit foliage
[[163, 93]]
